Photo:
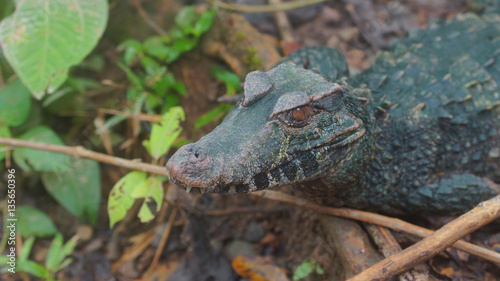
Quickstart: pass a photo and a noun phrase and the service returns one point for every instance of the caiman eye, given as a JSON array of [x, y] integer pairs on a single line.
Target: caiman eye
[[300, 113]]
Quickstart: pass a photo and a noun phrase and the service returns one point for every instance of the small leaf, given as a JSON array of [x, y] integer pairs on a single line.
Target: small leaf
[[303, 270], [204, 22], [152, 191], [26, 249], [213, 114], [185, 18], [15, 103], [56, 257], [32, 222], [319, 270], [120, 201], [33, 268], [42, 39], [78, 188], [134, 79], [54, 254], [40, 160], [163, 134], [231, 80], [132, 49], [4, 132], [156, 47]]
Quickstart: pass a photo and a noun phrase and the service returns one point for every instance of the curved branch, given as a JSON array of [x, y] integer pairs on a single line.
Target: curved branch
[[264, 8], [81, 152]]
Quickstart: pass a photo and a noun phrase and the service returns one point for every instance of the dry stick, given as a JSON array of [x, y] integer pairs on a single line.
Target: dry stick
[[147, 19], [264, 8], [140, 116], [483, 214], [392, 223], [80, 151], [284, 26], [163, 242]]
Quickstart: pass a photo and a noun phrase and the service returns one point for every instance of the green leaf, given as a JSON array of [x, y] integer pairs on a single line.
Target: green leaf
[[164, 133], [231, 80], [4, 132], [120, 201], [204, 22], [319, 270], [26, 249], [78, 188], [56, 257], [213, 114], [33, 222], [156, 47], [15, 103], [54, 254], [185, 18], [40, 160], [152, 191], [134, 79], [43, 38], [132, 49], [152, 66], [33, 268], [303, 270]]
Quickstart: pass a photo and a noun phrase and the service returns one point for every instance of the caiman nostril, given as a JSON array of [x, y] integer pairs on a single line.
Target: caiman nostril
[[195, 154]]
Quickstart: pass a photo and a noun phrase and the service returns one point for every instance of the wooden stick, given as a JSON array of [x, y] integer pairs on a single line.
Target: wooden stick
[[81, 152], [147, 19], [481, 215], [264, 8], [388, 222]]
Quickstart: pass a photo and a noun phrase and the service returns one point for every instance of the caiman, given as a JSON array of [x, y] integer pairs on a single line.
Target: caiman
[[418, 132]]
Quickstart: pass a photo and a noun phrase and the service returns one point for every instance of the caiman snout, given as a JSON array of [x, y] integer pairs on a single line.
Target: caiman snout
[[191, 166]]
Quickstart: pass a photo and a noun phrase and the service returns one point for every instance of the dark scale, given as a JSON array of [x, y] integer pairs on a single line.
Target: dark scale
[[418, 132]]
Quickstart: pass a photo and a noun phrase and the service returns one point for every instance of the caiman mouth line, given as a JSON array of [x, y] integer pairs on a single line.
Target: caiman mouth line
[[283, 174]]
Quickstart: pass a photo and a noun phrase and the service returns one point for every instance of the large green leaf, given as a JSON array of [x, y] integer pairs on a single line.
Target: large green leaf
[[78, 188], [33, 222], [152, 191], [15, 103], [120, 200], [40, 160], [165, 132], [43, 38]]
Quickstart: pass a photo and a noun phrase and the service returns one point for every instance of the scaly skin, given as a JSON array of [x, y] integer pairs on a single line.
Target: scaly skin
[[416, 133]]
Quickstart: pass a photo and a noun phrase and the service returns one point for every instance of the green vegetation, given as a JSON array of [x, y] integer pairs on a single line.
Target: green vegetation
[[46, 47]]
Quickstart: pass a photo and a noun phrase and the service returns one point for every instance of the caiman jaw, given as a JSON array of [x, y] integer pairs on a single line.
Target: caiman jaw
[[193, 170]]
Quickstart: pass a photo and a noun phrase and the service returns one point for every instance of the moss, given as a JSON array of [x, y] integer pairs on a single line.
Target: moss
[[252, 60]]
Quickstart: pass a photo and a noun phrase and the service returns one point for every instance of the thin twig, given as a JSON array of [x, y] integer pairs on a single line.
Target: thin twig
[[282, 22], [80, 151], [163, 242], [265, 8], [147, 19], [481, 215], [388, 222], [140, 116], [244, 210]]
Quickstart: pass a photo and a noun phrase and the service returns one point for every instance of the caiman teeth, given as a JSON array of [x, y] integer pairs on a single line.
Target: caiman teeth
[[188, 189], [232, 189], [203, 190]]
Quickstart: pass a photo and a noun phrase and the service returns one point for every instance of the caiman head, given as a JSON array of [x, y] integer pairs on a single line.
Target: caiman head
[[291, 126]]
